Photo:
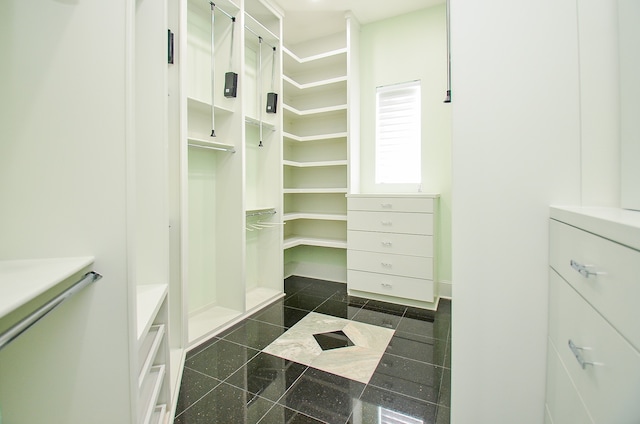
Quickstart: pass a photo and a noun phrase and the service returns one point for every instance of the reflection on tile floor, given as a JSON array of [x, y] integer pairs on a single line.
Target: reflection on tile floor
[[233, 378]]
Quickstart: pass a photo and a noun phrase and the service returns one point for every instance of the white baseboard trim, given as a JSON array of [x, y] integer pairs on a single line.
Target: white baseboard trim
[[445, 289]]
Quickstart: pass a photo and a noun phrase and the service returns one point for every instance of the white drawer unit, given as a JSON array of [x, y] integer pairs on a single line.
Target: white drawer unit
[[593, 365], [390, 242]]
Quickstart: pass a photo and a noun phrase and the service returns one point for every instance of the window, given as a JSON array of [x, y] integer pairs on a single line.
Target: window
[[398, 134]]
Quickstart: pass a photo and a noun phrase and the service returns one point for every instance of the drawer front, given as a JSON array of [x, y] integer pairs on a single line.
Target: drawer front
[[384, 263], [615, 289], [610, 386], [391, 204], [562, 402], [397, 244], [391, 285], [391, 222]]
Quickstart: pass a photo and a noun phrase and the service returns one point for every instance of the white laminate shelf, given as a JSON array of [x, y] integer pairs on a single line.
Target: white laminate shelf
[[316, 216], [256, 122], [204, 107], [21, 281], [148, 350], [150, 392], [315, 164], [316, 57], [315, 137], [314, 111], [149, 299], [294, 241], [328, 190], [306, 86], [209, 144]]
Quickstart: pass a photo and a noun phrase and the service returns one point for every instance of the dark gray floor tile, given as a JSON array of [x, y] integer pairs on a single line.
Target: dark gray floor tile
[[337, 309], [304, 301], [391, 308], [408, 377], [429, 326], [379, 318], [294, 284], [255, 334], [379, 405], [324, 288], [202, 346], [281, 315], [226, 404], [419, 348], [282, 415], [267, 376], [444, 397], [443, 415], [221, 359], [326, 397], [193, 386]]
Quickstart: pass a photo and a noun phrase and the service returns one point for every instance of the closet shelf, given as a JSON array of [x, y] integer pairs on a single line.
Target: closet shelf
[[294, 241], [314, 111], [315, 164], [204, 107], [314, 58], [149, 298], [256, 122], [314, 215], [316, 137], [314, 190], [150, 392], [208, 144], [314, 84]]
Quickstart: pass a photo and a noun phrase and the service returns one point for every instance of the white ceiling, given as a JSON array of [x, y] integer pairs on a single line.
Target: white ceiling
[[307, 19]]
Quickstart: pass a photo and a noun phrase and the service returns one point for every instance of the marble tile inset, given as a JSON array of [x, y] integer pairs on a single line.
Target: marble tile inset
[[357, 362]]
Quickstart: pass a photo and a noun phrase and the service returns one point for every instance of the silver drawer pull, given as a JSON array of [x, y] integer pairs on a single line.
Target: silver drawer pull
[[386, 243], [386, 223], [386, 205], [386, 264], [386, 285], [584, 269], [577, 352]]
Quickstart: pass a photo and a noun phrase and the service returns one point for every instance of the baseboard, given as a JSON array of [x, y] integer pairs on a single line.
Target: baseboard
[[445, 289]]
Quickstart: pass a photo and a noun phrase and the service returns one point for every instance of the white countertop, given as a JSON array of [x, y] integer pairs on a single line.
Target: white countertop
[[23, 280], [619, 225]]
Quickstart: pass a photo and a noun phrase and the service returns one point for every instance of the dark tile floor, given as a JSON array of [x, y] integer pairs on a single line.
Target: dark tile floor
[[229, 380]]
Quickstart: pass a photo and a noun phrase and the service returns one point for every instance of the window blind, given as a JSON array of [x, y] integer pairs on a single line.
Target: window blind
[[398, 134]]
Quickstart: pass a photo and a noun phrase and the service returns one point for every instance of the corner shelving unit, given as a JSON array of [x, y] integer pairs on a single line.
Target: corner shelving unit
[[315, 139]]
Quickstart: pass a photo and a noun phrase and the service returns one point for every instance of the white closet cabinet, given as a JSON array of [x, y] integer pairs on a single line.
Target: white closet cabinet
[[231, 202], [316, 144], [593, 366], [391, 254]]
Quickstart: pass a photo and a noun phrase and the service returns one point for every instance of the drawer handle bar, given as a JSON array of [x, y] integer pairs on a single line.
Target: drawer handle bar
[[386, 264], [584, 269], [577, 352], [386, 243], [388, 223], [386, 285]]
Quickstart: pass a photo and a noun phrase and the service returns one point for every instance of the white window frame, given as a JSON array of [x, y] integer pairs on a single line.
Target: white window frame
[[398, 143]]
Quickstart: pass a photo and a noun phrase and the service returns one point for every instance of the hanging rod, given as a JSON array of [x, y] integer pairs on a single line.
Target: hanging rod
[[223, 149], [228, 15], [258, 213], [259, 36], [13, 332]]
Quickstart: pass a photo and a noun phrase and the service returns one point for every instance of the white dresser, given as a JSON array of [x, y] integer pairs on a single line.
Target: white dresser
[[593, 353], [391, 247]]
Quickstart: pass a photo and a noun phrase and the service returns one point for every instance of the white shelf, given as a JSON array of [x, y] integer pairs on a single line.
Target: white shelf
[[208, 144], [315, 164], [314, 241], [204, 107], [317, 216], [206, 321], [148, 350], [21, 281], [149, 298], [315, 57], [314, 111], [150, 392], [314, 190], [260, 296], [158, 414], [314, 84], [316, 137], [256, 122]]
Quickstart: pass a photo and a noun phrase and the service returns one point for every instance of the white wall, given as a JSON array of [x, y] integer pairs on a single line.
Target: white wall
[[516, 150], [405, 48]]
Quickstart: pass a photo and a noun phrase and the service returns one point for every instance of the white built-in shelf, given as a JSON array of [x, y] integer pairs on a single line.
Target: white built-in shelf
[[316, 137], [294, 241], [207, 320], [328, 190], [158, 414], [149, 298], [314, 111], [256, 122], [228, 6], [148, 350], [315, 164], [204, 107], [210, 144], [324, 82], [260, 296], [315, 216], [21, 281], [150, 392], [316, 57]]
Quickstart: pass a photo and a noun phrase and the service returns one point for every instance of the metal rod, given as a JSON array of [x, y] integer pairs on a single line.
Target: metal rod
[[448, 95], [213, 70], [258, 35], [22, 326], [273, 70], [224, 149], [259, 77], [233, 30], [233, 18]]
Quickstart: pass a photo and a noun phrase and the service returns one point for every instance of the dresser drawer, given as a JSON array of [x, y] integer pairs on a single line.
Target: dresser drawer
[[398, 244], [391, 204], [391, 285], [610, 387], [607, 274], [384, 263], [562, 401], [391, 222]]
